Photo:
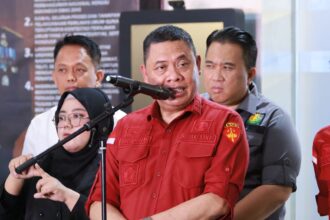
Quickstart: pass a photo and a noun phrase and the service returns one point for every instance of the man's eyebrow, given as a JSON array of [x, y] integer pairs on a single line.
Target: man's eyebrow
[[229, 64], [160, 61], [182, 56]]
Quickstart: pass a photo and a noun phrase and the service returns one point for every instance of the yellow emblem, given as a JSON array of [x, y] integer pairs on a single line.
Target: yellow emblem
[[232, 131], [256, 119]]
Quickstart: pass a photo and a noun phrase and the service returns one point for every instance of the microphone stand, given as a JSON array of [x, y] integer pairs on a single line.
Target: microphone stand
[[126, 102], [86, 127]]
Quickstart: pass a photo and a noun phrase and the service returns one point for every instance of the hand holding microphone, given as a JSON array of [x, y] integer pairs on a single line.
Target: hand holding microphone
[[156, 92]]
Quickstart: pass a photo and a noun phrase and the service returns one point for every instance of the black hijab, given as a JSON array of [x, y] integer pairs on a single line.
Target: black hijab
[[71, 168]]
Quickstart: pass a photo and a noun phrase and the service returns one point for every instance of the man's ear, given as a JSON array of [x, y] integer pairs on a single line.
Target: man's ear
[[198, 63], [99, 77], [143, 70], [251, 74]]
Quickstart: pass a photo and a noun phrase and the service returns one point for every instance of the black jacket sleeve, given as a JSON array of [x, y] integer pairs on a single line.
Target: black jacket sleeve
[[78, 211], [11, 207]]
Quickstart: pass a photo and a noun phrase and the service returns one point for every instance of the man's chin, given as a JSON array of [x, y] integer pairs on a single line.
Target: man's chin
[[218, 99]]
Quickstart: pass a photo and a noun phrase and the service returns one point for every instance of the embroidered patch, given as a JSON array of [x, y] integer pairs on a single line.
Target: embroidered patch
[[255, 119], [232, 131], [202, 126], [135, 136], [134, 141], [199, 138], [200, 133], [128, 174]]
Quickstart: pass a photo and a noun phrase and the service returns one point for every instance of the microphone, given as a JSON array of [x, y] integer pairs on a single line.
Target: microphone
[[156, 92]]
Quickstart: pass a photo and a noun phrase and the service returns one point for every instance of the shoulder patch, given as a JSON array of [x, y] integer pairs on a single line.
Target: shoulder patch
[[255, 119], [232, 131]]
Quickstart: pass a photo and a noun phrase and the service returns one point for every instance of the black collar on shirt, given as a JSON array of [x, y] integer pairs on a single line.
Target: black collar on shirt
[[250, 102]]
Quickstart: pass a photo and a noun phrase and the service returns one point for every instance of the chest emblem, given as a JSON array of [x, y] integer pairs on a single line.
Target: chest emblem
[[128, 174], [232, 131], [202, 126], [255, 119]]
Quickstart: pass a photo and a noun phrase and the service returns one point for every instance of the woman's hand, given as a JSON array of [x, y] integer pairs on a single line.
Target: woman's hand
[[15, 181], [14, 163], [51, 188]]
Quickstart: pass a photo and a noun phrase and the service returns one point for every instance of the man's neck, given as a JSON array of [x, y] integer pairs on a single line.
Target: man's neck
[[233, 107], [169, 116]]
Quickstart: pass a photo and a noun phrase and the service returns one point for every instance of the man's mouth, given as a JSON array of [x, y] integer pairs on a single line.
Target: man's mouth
[[71, 88]]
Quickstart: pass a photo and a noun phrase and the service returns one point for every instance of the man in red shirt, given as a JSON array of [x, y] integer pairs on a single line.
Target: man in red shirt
[[181, 158], [321, 162]]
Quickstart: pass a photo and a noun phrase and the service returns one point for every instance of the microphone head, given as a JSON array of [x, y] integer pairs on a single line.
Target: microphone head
[[110, 79], [167, 93]]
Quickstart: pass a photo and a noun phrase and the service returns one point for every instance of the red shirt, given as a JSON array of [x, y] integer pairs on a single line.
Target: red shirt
[[321, 162], [152, 166]]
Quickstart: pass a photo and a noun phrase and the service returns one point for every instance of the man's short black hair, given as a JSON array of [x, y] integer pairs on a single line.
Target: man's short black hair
[[166, 33], [237, 36], [92, 48]]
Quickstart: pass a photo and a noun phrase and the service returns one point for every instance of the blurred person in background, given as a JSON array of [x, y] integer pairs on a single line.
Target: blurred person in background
[[230, 67], [76, 65]]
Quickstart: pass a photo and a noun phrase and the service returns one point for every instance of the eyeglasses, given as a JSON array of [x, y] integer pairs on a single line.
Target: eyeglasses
[[73, 118]]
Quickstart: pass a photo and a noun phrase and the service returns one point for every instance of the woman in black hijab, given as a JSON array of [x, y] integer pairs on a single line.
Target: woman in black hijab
[[57, 187]]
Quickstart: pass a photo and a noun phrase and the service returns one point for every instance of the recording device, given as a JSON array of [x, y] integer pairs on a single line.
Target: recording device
[[156, 92]]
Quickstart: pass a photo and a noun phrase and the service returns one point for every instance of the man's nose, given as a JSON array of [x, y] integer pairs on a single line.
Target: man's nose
[[71, 75], [218, 73], [174, 73]]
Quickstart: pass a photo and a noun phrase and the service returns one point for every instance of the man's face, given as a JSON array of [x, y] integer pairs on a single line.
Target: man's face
[[74, 68], [172, 64], [225, 76]]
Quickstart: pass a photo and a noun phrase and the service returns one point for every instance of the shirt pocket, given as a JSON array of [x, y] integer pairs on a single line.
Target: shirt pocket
[[132, 162], [255, 135], [192, 161]]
